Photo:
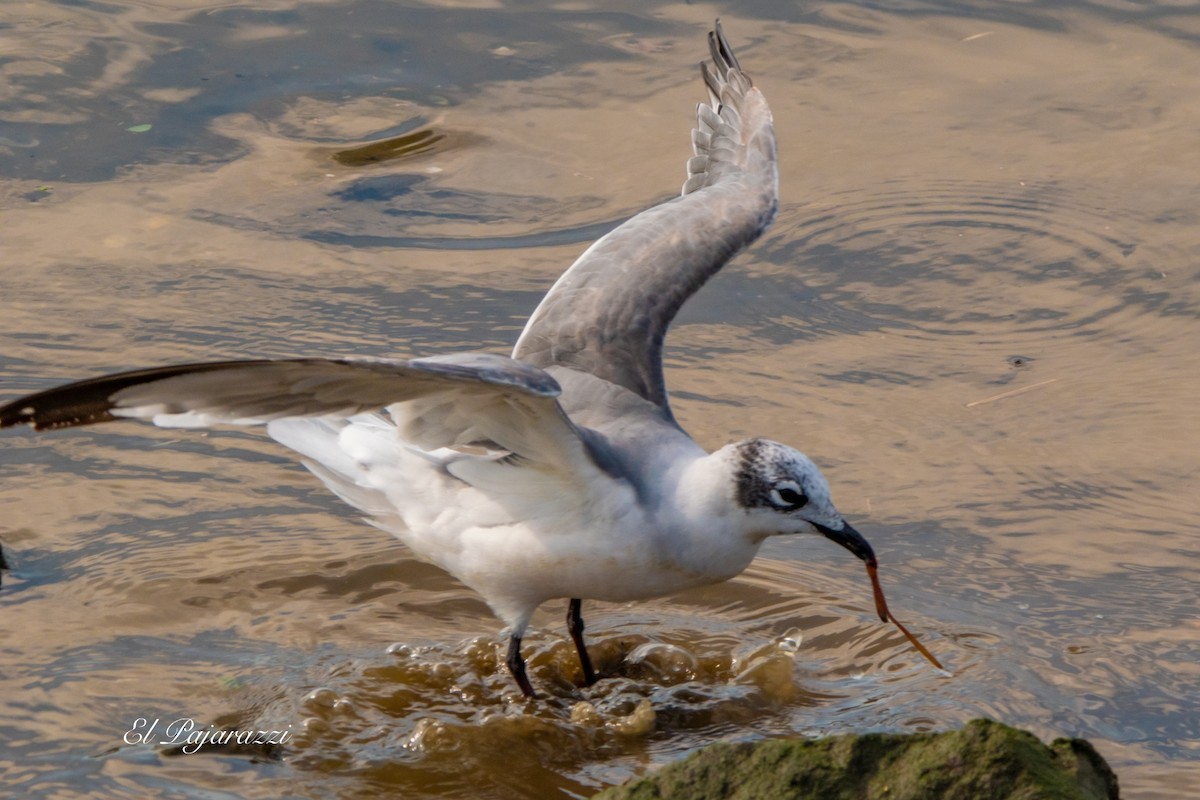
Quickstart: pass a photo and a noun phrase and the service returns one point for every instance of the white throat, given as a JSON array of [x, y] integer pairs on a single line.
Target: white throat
[[711, 532]]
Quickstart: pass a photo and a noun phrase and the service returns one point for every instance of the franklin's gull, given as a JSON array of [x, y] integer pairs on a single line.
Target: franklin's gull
[[559, 472]]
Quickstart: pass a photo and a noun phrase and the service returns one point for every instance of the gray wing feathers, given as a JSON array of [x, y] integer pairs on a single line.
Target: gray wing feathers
[[608, 314], [475, 399], [255, 392]]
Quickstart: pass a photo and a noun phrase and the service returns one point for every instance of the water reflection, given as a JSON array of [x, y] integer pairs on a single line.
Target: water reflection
[[965, 186], [173, 67]]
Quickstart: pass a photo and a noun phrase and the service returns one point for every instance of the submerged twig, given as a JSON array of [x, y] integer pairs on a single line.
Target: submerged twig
[[1010, 393]]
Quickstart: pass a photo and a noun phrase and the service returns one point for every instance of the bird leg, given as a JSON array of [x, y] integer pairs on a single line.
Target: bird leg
[[516, 665], [575, 627]]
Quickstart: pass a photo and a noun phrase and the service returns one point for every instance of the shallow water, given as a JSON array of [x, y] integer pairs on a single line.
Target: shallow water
[[977, 310]]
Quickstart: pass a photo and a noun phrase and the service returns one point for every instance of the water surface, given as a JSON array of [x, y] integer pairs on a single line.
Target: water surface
[[977, 310]]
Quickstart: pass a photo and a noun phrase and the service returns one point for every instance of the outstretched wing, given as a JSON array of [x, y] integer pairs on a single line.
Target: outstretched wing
[[460, 399], [609, 312]]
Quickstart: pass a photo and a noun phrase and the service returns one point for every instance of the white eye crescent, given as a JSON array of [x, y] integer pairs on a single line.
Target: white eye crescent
[[787, 495]]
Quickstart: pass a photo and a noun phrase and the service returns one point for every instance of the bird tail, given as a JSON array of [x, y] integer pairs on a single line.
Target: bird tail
[[347, 455]]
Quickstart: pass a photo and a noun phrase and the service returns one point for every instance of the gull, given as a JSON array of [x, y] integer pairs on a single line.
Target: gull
[[558, 472]]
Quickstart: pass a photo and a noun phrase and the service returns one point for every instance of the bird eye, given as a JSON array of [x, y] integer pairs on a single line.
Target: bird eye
[[789, 497]]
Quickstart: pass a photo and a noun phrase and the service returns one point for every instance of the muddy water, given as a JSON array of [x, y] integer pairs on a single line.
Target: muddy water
[[977, 309]]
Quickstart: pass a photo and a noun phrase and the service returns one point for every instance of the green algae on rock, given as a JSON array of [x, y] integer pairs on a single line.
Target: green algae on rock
[[986, 760]]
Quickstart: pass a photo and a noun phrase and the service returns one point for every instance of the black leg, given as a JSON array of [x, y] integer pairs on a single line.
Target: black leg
[[575, 626], [516, 665]]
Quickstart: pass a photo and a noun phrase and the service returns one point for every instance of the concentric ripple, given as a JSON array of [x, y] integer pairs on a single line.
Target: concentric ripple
[[981, 259]]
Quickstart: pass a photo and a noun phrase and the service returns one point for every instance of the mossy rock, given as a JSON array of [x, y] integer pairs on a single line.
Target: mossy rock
[[983, 761]]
